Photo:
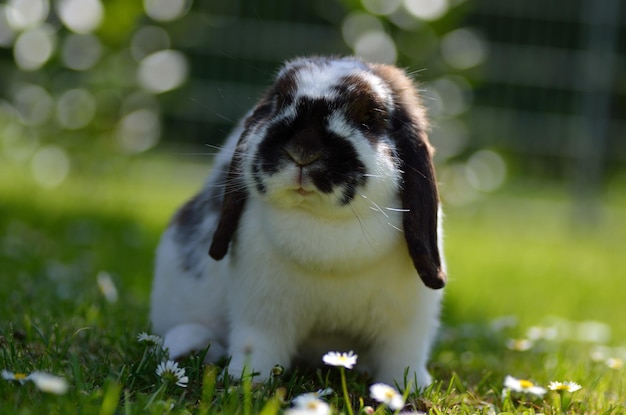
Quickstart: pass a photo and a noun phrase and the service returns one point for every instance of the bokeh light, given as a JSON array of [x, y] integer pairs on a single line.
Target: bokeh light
[[453, 94], [405, 20], [81, 51], [24, 14], [162, 71], [166, 10], [463, 49], [139, 100], [81, 16], [376, 46], [148, 40], [34, 47], [50, 166], [381, 7], [456, 188], [18, 142], [7, 34], [450, 137], [75, 109], [33, 104], [427, 9], [465, 182], [355, 25], [486, 170], [138, 131]]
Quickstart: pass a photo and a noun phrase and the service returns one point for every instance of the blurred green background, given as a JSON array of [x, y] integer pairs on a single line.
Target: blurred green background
[[518, 90], [110, 110]]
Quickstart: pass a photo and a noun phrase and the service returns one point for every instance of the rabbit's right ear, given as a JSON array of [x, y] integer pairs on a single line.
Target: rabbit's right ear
[[234, 200], [235, 191]]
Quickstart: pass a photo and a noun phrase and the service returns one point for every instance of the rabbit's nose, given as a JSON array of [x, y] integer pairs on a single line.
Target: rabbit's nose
[[304, 148], [303, 157]]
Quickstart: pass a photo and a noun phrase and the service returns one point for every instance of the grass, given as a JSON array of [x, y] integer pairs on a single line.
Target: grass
[[516, 260]]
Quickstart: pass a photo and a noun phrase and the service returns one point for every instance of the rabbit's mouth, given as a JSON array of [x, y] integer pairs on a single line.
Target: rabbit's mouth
[[303, 192]]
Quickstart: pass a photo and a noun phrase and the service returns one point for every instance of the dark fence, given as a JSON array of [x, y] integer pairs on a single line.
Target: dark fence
[[532, 87]]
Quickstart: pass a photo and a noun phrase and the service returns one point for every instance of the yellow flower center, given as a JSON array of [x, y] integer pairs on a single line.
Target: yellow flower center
[[526, 384], [19, 376]]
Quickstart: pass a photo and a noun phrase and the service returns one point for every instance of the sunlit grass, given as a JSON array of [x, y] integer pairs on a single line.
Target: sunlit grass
[[532, 295]]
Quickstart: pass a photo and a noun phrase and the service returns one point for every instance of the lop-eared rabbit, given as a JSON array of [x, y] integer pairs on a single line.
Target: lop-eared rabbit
[[318, 229]]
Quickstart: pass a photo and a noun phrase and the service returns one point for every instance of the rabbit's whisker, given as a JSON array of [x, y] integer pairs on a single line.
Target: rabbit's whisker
[[368, 236], [374, 205], [397, 209], [193, 154]]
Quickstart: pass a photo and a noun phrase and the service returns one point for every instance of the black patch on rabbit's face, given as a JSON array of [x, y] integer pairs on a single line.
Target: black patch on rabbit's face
[[307, 140]]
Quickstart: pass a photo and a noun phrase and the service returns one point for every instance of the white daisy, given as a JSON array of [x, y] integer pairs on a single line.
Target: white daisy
[[519, 345], [107, 286], [387, 395], [523, 386], [320, 393], [347, 360], [18, 377], [614, 363], [309, 403], [43, 381], [170, 372], [49, 383], [312, 395], [542, 333], [152, 339], [564, 386]]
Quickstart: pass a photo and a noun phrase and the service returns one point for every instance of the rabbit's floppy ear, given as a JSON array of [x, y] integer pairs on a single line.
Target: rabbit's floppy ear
[[235, 192], [233, 202], [419, 195]]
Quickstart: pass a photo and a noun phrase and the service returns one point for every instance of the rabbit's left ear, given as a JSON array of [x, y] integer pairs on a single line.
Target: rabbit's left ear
[[419, 194]]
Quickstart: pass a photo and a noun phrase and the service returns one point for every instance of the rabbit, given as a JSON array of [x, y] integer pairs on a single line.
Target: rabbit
[[318, 229]]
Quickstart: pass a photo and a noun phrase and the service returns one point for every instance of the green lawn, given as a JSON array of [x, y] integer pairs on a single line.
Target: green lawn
[[516, 260]]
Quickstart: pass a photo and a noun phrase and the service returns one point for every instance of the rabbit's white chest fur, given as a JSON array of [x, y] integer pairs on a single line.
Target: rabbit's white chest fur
[[322, 223], [363, 294], [336, 277]]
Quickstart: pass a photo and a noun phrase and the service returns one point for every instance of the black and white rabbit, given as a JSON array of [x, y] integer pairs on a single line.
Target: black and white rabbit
[[318, 229]]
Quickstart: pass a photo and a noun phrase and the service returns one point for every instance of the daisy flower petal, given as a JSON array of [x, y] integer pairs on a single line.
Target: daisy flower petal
[[309, 403], [298, 400], [519, 345], [387, 395], [183, 381], [49, 383], [107, 286], [614, 363], [347, 360]]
